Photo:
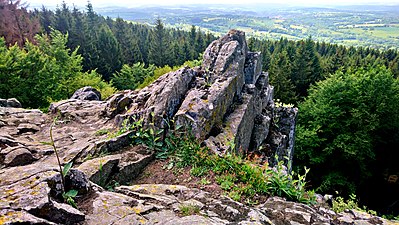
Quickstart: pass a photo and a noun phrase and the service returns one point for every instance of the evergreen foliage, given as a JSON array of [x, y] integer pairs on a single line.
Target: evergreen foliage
[[106, 44], [131, 76], [49, 71], [309, 62]]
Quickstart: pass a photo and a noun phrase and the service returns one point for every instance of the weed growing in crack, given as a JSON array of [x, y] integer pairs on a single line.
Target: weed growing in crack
[[188, 209], [240, 178], [67, 195]]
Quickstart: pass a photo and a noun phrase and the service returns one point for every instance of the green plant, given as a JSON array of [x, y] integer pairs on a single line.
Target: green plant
[[391, 217], [235, 195], [101, 132], [198, 171], [339, 203], [189, 209], [204, 181], [151, 136], [112, 185], [69, 195], [348, 118]]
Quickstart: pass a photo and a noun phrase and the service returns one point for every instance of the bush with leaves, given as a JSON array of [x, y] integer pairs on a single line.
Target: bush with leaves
[[347, 123]]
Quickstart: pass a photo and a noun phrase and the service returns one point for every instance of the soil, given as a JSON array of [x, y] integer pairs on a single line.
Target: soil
[[157, 173]]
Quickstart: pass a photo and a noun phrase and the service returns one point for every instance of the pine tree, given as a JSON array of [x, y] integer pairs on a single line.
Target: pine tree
[[159, 45], [46, 18], [109, 52], [199, 43], [307, 69], [280, 72]]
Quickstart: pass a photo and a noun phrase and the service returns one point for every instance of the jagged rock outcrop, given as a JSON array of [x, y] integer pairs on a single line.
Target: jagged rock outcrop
[[227, 101]]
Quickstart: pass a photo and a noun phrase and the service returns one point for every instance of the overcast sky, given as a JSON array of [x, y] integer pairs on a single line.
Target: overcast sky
[[133, 3]]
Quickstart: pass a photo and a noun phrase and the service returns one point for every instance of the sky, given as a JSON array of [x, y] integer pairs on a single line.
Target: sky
[[135, 3]]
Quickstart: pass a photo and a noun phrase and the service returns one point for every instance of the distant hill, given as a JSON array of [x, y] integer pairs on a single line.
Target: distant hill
[[361, 25]]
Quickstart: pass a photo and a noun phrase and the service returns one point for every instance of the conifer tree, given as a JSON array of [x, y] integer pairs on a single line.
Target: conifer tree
[[159, 45], [280, 72], [109, 52]]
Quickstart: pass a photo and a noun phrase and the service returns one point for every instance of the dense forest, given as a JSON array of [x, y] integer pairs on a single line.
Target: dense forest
[[105, 47], [348, 128], [348, 97]]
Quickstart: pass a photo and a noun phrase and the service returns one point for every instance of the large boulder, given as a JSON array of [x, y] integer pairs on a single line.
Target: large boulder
[[229, 104], [87, 93], [11, 102]]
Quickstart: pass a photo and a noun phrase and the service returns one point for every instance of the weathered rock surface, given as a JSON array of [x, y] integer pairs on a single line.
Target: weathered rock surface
[[11, 102], [87, 93], [227, 101]]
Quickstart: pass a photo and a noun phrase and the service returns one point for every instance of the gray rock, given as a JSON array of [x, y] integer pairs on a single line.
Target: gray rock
[[281, 138], [74, 180], [253, 67], [13, 103], [18, 157], [228, 102], [204, 107], [99, 170], [27, 128], [59, 213], [158, 102], [112, 208], [237, 128], [9, 216], [131, 165], [118, 103], [3, 102], [87, 93]]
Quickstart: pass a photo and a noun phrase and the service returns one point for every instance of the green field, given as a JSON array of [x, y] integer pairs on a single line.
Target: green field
[[376, 27]]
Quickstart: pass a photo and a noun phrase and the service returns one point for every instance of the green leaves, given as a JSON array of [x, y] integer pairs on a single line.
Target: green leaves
[[69, 197], [71, 193], [66, 168], [346, 119]]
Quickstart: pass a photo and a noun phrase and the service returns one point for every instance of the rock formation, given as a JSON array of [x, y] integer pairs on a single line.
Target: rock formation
[[227, 101]]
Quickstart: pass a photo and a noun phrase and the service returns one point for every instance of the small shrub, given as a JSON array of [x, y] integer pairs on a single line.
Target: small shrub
[[204, 181], [339, 203], [188, 210]]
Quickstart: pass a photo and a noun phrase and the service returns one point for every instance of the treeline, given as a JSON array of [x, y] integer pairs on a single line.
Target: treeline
[[295, 65], [107, 44]]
